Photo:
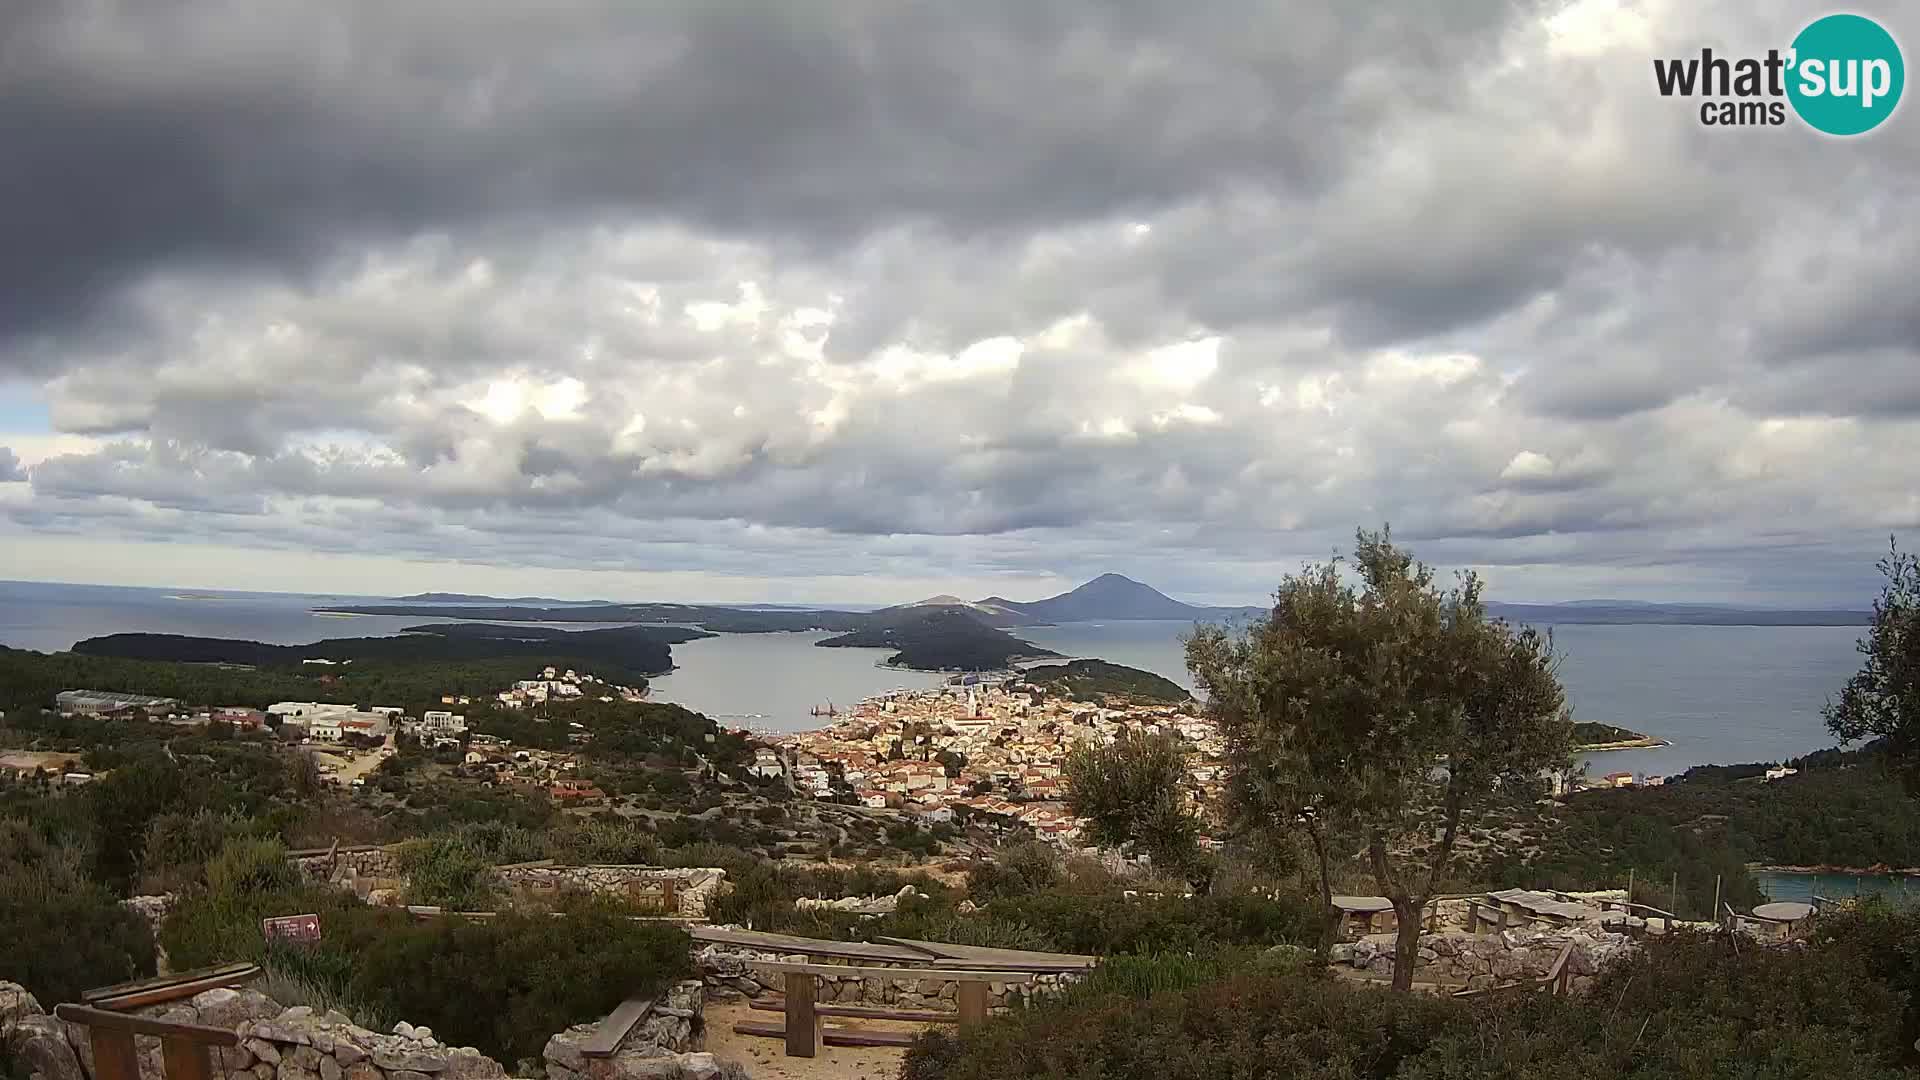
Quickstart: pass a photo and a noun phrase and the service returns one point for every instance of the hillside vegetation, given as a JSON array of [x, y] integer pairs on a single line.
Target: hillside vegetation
[[1097, 680]]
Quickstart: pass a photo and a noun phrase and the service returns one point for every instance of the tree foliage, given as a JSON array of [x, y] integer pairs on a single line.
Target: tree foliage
[[1883, 698], [1130, 792], [1380, 707]]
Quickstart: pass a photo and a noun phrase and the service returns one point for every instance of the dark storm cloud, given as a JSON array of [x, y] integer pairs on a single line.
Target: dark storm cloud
[[156, 133], [947, 289]]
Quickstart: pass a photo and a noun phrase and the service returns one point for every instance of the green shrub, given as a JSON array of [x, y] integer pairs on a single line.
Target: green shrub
[[507, 984], [1687, 1007], [177, 846], [450, 872], [248, 867], [61, 933], [599, 840]]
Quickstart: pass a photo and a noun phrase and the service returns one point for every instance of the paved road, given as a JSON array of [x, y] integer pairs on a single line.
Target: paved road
[[364, 762]]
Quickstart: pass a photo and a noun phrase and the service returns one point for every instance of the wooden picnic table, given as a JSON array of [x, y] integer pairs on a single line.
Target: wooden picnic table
[[788, 943], [802, 1029], [979, 956]]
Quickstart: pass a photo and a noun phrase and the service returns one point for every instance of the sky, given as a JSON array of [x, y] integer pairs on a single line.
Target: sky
[[864, 301]]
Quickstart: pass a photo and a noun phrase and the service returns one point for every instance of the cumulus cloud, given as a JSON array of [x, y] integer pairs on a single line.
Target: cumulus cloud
[[952, 291], [10, 468]]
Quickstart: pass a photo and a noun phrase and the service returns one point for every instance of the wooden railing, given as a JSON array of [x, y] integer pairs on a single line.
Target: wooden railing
[[1557, 981], [183, 1047]]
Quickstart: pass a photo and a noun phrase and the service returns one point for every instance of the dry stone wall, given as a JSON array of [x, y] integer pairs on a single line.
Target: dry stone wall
[[663, 1045], [377, 875], [275, 1043], [693, 888], [1511, 956], [727, 972]]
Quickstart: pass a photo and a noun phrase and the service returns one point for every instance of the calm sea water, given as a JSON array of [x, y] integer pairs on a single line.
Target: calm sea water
[[1719, 694], [1904, 891]]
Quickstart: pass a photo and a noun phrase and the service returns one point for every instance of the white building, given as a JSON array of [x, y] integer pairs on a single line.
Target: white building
[[442, 722], [306, 710], [766, 764]]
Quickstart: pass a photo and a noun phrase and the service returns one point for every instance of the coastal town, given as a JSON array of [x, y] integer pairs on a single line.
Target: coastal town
[[977, 747], [980, 749]]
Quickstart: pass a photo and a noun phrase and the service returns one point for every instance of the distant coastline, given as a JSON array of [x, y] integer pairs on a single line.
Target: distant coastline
[[1645, 742], [1840, 871]]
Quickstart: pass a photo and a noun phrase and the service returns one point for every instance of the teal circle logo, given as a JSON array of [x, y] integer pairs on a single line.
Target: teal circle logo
[[1846, 74]]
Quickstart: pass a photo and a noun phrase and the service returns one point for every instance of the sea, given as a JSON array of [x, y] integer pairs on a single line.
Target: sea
[[1717, 694]]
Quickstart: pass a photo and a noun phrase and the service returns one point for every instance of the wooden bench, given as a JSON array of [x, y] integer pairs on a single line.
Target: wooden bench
[[802, 1028], [775, 1003], [607, 1037], [126, 996], [830, 1036], [183, 1047]]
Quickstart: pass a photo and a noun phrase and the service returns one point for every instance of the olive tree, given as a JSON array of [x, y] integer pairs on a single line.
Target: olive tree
[[1129, 791], [1882, 700], [1380, 709]]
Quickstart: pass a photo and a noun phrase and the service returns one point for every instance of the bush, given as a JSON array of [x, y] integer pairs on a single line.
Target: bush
[[1687, 1007], [449, 872], [177, 846], [507, 984], [247, 867], [1110, 923], [61, 933]]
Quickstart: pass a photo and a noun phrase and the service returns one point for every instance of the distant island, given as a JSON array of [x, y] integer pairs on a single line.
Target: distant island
[[629, 654], [1098, 680], [1107, 598], [1590, 738], [939, 640], [474, 598]]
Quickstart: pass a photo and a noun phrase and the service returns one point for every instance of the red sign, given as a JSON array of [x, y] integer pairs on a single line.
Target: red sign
[[297, 928]]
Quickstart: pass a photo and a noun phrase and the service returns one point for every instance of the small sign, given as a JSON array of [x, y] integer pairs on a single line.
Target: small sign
[[303, 929]]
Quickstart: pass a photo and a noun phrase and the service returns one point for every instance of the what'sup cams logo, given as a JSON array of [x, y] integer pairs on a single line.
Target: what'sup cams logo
[[1842, 75]]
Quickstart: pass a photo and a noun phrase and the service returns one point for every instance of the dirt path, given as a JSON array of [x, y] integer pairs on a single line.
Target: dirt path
[[766, 1059]]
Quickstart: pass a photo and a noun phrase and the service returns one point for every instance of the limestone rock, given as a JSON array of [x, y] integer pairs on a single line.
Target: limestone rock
[[699, 1067], [364, 1070], [408, 1060], [348, 1053], [289, 1071], [403, 1029], [406, 1074], [262, 1071], [226, 1008], [15, 1003], [236, 1058], [280, 1033], [466, 1063], [264, 1050], [304, 1057], [330, 1068], [37, 1044]]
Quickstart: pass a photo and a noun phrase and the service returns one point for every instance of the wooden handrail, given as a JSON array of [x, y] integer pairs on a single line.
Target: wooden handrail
[[943, 974], [1557, 980], [183, 1047], [102, 1019]]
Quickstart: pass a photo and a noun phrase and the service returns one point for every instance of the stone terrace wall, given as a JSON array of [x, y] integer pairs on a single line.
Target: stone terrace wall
[[1462, 958], [693, 887], [275, 1044], [663, 1045], [725, 971], [376, 874]]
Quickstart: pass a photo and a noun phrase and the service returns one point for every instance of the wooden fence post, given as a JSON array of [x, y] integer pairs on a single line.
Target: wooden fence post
[[803, 1025]]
